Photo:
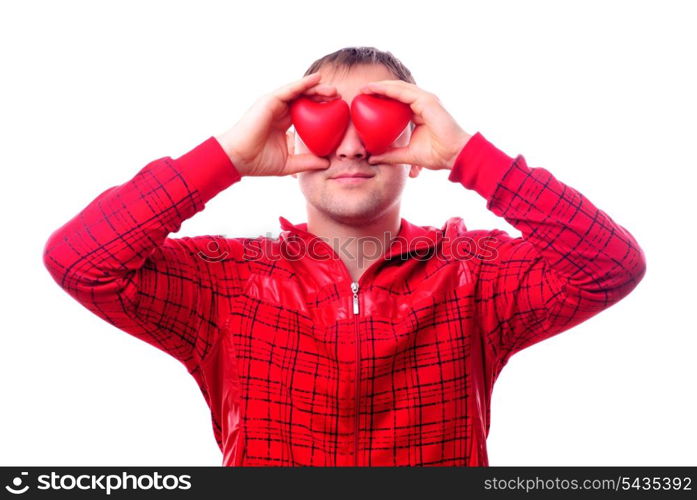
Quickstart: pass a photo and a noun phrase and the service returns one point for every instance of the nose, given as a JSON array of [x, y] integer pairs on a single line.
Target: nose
[[351, 146]]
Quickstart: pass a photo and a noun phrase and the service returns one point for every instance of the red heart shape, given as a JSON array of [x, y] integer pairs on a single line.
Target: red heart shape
[[320, 125], [379, 120]]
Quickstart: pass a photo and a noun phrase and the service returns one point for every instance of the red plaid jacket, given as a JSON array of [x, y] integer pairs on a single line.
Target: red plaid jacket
[[299, 365]]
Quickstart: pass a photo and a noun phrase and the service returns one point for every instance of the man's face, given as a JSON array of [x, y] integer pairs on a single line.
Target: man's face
[[356, 201]]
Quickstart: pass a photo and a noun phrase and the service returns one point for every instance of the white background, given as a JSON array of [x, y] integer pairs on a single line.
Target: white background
[[601, 94]]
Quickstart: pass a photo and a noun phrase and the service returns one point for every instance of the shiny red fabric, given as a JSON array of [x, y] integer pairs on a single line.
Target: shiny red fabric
[[297, 367]]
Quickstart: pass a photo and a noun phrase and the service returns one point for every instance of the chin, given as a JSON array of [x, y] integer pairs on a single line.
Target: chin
[[354, 215], [352, 219]]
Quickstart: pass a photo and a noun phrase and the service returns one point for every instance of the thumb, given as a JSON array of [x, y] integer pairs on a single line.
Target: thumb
[[395, 155], [301, 162]]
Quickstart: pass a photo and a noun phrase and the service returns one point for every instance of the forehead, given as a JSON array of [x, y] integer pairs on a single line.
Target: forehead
[[349, 81]]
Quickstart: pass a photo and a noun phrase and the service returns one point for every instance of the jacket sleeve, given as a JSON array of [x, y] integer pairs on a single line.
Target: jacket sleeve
[[571, 262], [114, 256]]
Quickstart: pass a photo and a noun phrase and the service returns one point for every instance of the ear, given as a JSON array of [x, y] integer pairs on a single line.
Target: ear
[[290, 142], [414, 170]]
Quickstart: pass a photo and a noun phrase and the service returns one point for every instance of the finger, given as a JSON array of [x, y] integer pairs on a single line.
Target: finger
[[397, 89], [393, 156], [323, 98], [321, 89], [290, 91], [304, 162], [322, 93]]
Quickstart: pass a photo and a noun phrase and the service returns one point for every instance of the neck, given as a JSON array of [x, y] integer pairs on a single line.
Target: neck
[[358, 245]]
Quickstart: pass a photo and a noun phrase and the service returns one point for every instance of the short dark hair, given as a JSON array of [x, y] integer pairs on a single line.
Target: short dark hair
[[353, 56]]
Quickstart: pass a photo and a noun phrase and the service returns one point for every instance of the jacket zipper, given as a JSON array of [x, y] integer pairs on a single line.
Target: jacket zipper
[[356, 311], [354, 289]]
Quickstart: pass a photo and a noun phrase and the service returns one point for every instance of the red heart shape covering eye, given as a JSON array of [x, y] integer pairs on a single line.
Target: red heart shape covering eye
[[320, 125], [379, 120]]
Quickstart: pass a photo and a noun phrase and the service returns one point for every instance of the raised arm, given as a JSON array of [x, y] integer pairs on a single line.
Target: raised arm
[[572, 261], [115, 258]]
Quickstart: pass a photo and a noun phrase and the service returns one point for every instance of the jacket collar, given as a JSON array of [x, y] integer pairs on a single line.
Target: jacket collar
[[412, 237]]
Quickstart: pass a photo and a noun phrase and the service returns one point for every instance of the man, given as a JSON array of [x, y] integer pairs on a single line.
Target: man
[[307, 349]]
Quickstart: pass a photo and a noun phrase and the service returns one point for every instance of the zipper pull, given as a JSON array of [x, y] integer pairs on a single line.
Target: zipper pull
[[354, 288]]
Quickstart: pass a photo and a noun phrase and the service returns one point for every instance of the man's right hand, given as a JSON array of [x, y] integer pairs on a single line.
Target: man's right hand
[[260, 142]]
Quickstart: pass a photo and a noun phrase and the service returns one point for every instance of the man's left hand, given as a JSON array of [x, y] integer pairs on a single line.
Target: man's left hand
[[437, 139]]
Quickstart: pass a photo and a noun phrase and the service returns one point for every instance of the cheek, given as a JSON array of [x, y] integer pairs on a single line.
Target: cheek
[[309, 183], [394, 177]]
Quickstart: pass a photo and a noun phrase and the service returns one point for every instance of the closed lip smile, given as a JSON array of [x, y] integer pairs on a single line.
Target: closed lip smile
[[354, 175]]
